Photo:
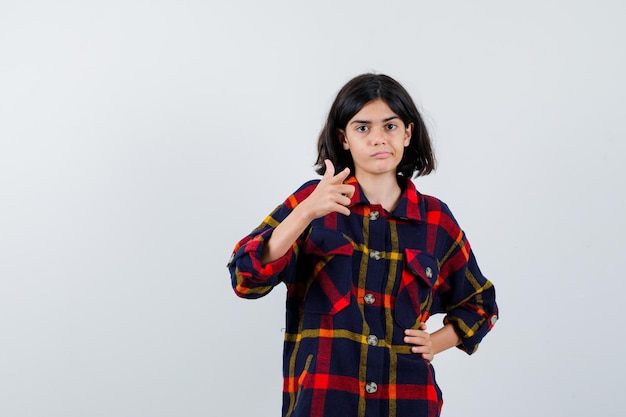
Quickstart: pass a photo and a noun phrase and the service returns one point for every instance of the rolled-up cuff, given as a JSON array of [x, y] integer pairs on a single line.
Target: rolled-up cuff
[[470, 330], [254, 251]]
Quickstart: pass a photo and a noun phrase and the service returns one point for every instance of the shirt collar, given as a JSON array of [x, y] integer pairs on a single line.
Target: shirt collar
[[410, 206]]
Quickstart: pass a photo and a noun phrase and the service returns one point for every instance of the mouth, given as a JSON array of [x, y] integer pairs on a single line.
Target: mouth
[[381, 155]]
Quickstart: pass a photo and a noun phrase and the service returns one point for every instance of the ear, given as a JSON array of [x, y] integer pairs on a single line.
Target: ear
[[341, 135], [407, 134]]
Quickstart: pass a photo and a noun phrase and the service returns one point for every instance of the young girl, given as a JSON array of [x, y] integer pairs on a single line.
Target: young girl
[[366, 260]]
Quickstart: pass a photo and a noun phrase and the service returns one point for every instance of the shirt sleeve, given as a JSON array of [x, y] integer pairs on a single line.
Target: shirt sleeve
[[471, 300], [250, 278]]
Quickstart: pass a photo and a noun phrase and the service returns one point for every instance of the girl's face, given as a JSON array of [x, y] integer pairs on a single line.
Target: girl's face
[[376, 138]]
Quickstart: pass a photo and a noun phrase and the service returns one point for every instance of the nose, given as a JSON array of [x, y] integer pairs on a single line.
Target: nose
[[379, 136]]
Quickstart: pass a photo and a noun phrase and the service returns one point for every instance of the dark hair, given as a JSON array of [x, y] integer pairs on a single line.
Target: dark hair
[[418, 157]]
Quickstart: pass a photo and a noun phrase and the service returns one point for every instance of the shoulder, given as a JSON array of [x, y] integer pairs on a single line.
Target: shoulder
[[427, 204], [311, 184], [301, 193], [437, 212], [434, 204]]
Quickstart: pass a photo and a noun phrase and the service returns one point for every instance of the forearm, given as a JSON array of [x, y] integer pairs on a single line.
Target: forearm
[[285, 234], [444, 339]]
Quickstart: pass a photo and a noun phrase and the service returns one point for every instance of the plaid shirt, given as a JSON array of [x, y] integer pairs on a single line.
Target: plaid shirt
[[354, 284]]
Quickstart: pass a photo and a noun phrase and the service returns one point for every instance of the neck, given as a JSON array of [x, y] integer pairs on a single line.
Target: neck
[[383, 190]]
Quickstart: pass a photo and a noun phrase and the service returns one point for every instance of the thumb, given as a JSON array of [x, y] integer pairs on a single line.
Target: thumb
[[330, 169]]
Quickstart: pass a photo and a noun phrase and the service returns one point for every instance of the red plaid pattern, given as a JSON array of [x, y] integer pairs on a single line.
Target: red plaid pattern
[[354, 284]]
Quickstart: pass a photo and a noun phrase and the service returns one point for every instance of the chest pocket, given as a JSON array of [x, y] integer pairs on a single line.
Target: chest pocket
[[415, 293], [329, 260]]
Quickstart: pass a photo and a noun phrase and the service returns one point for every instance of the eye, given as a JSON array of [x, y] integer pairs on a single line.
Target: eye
[[362, 129], [391, 126]]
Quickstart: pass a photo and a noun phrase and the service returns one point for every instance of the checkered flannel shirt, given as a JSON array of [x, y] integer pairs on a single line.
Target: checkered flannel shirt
[[354, 284]]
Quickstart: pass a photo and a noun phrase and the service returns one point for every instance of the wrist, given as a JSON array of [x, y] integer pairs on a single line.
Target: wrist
[[303, 213], [445, 338]]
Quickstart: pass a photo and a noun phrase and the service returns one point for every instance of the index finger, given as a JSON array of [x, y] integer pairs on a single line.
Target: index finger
[[414, 332], [339, 178]]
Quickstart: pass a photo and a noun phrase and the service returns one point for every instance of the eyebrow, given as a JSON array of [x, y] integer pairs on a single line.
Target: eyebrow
[[369, 122]]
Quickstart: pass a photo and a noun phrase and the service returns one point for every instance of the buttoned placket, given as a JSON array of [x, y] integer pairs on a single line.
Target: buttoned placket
[[375, 283]]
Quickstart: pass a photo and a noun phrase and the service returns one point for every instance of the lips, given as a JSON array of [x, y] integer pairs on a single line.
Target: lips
[[381, 155]]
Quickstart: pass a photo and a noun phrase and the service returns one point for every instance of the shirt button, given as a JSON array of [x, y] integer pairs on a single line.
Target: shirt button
[[372, 340], [494, 318], [374, 215], [429, 272], [371, 387], [369, 298], [375, 255]]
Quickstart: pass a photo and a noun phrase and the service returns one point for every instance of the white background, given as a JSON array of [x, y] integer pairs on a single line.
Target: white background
[[139, 140]]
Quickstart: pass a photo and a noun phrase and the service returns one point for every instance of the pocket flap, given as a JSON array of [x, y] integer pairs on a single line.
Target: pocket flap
[[423, 265], [419, 276]]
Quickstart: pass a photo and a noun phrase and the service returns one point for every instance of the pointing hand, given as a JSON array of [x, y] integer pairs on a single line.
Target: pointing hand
[[331, 194]]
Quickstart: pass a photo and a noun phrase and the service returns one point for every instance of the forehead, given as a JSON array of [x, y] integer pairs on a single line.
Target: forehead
[[374, 111]]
